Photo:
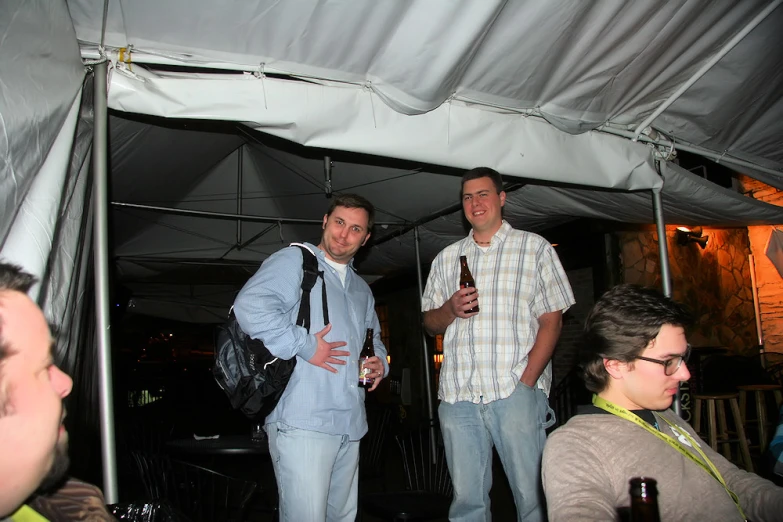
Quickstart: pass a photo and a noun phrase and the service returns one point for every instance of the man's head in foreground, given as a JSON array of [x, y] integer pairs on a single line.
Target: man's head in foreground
[[634, 348], [33, 440]]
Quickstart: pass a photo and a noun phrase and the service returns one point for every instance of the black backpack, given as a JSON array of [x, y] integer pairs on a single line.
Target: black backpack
[[253, 378]]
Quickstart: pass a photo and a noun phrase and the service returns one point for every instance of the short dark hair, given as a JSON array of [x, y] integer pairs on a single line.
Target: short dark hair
[[483, 172], [621, 324], [12, 278], [354, 201]]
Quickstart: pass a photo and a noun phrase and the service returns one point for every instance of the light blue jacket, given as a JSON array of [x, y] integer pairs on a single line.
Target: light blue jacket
[[266, 308]]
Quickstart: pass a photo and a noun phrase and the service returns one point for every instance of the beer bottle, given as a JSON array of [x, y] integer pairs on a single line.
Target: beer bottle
[[365, 381], [466, 280], [644, 500]]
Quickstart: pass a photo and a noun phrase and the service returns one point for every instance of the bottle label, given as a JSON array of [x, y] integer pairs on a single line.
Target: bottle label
[[364, 373]]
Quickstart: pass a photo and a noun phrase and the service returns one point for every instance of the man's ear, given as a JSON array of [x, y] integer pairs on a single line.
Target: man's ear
[[367, 238], [502, 198], [615, 368], [323, 225]]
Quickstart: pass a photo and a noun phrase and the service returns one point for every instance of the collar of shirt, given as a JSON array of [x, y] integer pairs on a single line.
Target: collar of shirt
[[498, 237]]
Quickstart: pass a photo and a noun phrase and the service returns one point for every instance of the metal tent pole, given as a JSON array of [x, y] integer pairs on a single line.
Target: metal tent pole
[[663, 248], [228, 216], [425, 352], [666, 276], [101, 242], [239, 194]]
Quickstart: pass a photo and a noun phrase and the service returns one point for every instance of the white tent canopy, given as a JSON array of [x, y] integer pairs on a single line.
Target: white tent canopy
[[470, 71], [549, 92], [544, 91]]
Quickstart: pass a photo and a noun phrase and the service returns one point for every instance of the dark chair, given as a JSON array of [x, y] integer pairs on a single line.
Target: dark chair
[[428, 484], [152, 471], [373, 444], [775, 371], [201, 494], [422, 472], [372, 451]]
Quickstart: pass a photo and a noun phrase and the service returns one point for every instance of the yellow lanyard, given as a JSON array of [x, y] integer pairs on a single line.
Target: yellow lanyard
[[26, 514], [706, 464]]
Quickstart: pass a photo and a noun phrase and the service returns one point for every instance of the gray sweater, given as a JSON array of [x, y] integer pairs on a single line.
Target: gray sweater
[[588, 462]]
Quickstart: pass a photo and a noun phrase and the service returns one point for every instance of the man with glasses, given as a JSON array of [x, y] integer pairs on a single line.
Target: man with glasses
[[633, 360]]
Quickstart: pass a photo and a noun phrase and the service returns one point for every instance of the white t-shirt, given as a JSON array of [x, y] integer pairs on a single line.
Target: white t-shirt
[[342, 269]]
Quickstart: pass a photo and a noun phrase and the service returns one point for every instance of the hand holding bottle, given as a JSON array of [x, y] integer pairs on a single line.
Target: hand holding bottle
[[370, 366], [464, 302]]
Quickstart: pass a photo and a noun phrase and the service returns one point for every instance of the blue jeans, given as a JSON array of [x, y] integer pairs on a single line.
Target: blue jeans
[[516, 426], [317, 474]]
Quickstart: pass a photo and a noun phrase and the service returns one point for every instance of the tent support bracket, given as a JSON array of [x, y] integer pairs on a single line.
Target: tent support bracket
[[717, 158]]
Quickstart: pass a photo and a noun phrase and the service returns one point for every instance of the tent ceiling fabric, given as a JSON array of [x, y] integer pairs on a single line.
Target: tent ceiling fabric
[[578, 65], [189, 268], [33, 108], [687, 200], [547, 91]]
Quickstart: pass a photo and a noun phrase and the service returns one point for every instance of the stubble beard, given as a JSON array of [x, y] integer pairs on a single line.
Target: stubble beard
[[58, 471]]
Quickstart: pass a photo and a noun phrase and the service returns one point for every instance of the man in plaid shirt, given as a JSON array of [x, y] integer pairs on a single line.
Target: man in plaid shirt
[[496, 371]]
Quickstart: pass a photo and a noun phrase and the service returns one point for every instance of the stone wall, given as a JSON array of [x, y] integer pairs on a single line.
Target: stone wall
[[713, 282], [768, 281]]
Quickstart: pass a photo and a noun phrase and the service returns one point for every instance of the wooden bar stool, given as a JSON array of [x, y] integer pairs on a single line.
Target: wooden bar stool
[[762, 424], [717, 428]]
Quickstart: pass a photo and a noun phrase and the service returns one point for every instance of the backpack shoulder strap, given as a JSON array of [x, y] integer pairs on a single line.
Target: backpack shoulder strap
[[310, 275]]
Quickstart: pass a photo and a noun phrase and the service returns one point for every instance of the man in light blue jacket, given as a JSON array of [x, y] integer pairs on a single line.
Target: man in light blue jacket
[[315, 429]]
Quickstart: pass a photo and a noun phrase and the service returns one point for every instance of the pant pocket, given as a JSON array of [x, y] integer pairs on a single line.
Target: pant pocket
[[547, 414]]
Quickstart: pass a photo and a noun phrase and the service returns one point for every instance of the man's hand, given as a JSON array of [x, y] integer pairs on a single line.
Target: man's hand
[[376, 370], [461, 301], [326, 353], [437, 320]]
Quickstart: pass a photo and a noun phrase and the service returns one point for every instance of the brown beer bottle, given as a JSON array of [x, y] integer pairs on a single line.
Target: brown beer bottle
[[466, 280], [644, 500], [365, 381]]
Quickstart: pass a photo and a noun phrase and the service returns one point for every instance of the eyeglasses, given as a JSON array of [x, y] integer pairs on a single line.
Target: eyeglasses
[[670, 366]]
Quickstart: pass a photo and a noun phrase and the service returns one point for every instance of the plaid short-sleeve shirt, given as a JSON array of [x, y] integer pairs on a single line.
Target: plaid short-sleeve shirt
[[519, 278]]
